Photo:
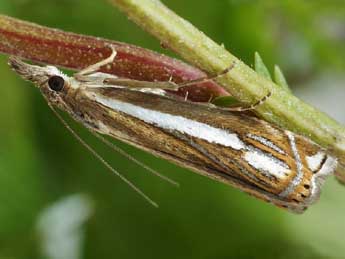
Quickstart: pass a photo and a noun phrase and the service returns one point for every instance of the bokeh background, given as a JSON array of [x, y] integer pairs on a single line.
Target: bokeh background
[[58, 201]]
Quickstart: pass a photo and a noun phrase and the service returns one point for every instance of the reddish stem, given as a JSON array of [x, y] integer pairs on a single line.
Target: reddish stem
[[74, 51]]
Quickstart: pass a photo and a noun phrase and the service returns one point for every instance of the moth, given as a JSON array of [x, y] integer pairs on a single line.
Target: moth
[[270, 163]]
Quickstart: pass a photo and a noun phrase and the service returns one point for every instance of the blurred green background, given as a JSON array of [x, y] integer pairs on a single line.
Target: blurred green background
[[58, 201]]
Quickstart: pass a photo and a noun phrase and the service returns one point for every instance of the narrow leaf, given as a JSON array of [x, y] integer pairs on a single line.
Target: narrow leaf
[[279, 78], [225, 101], [260, 67]]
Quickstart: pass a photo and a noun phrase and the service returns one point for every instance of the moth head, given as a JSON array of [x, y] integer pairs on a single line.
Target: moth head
[[50, 80]]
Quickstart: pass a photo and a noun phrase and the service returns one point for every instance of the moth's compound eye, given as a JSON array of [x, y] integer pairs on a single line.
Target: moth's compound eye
[[56, 83]]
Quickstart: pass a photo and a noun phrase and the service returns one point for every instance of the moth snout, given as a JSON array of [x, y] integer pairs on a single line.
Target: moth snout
[[21, 68], [35, 74], [14, 63]]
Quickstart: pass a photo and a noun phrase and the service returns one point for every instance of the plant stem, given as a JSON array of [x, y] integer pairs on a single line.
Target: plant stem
[[282, 108]]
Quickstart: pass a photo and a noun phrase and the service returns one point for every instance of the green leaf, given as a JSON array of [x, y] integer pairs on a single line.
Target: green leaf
[[279, 78], [225, 101], [260, 67]]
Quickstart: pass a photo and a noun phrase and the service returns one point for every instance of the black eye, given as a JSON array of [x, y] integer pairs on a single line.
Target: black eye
[[56, 83]]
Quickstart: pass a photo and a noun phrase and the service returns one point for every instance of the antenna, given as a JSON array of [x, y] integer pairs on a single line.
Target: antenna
[[131, 158], [105, 163]]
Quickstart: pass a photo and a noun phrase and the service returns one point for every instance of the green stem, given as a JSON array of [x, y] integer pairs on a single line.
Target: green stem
[[282, 108]]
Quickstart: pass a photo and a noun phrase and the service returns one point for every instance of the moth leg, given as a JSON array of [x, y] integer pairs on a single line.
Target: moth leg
[[95, 67], [249, 108], [85, 75], [132, 83], [90, 74], [208, 78], [163, 84]]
